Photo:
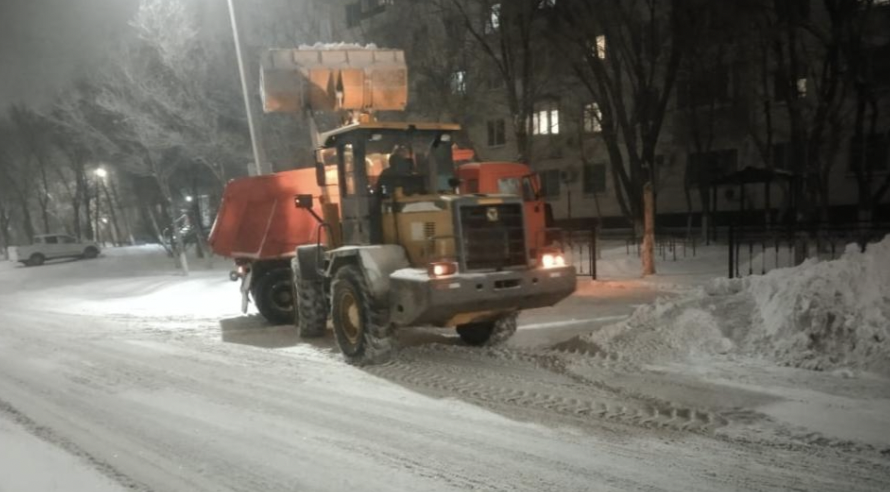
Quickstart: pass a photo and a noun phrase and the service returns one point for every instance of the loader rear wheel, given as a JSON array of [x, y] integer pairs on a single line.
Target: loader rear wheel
[[488, 333], [274, 296], [311, 315], [362, 329]]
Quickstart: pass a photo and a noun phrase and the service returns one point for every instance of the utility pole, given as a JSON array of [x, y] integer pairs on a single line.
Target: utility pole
[[259, 156]]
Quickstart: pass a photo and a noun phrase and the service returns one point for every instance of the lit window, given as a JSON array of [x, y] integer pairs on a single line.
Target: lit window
[[545, 121], [546, 4], [600, 47], [801, 87], [593, 118], [494, 18], [459, 82]]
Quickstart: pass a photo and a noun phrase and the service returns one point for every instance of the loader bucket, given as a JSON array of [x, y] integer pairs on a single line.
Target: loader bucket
[[331, 79]]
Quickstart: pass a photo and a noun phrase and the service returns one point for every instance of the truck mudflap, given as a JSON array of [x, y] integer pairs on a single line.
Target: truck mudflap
[[418, 299]]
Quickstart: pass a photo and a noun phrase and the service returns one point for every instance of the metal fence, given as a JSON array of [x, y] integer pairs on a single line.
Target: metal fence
[[668, 247], [759, 250], [579, 245]]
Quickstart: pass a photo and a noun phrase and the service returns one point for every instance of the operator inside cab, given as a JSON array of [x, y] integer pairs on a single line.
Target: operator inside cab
[[400, 173]]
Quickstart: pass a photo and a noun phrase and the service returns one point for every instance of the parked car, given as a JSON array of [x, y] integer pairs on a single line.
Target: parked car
[[51, 247]]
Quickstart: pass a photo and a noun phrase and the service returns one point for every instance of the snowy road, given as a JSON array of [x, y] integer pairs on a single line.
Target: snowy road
[[197, 398]]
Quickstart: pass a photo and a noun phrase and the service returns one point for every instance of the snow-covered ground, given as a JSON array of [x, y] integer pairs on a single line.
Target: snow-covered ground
[[122, 373]]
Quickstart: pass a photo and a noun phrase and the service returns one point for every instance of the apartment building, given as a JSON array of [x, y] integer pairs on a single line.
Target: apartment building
[[728, 108]]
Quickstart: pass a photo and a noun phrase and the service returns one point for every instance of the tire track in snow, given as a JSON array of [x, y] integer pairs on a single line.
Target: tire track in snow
[[50, 436]]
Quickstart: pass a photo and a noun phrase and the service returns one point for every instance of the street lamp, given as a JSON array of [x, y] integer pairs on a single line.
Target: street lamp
[[259, 156], [189, 198], [101, 172]]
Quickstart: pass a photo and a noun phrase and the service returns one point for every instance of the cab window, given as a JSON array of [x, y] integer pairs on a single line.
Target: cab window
[[51, 240], [529, 189], [67, 240], [348, 170], [509, 186]]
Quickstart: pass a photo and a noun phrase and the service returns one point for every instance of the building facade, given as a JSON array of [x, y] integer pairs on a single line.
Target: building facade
[[736, 102]]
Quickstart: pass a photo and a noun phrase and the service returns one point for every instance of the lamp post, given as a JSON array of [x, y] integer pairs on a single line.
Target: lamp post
[[259, 156]]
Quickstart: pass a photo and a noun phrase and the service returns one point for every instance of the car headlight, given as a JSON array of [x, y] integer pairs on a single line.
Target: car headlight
[[442, 268], [553, 260]]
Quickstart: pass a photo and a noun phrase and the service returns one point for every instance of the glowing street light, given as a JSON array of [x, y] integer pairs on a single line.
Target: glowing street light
[[101, 172], [189, 198]]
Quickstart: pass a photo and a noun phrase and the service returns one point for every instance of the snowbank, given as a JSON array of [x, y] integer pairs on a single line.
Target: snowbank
[[818, 315]]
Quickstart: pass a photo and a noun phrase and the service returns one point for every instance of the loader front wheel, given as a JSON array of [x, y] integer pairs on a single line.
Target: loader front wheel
[[488, 333], [274, 297], [362, 329]]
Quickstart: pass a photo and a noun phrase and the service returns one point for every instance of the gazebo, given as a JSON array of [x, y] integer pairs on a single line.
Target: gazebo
[[742, 179]]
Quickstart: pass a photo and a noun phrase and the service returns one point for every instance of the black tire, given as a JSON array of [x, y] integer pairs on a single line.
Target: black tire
[[36, 259], [362, 330], [311, 315], [488, 333], [90, 253], [273, 295]]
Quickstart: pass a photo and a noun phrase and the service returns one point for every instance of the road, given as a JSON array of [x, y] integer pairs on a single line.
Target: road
[[195, 402]]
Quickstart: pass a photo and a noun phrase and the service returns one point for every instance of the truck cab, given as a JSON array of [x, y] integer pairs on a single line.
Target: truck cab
[[510, 178]]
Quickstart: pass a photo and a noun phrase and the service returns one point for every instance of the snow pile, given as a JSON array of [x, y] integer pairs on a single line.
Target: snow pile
[[818, 315]]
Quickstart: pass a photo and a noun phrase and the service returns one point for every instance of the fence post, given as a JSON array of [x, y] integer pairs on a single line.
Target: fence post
[[592, 251], [731, 247]]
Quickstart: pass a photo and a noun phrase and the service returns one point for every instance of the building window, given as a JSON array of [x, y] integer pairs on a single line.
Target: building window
[[712, 86], [705, 167], [781, 86], [459, 82], [353, 14], [546, 4], [496, 134], [493, 23], [781, 155], [550, 183], [594, 178], [593, 118], [599, 47], [545, 120], [873, 154]]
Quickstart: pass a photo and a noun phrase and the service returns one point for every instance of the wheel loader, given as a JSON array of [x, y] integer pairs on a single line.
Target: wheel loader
[[397, 244]]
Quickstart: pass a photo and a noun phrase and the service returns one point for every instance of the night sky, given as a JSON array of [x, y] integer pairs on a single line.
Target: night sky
[[44, 44]]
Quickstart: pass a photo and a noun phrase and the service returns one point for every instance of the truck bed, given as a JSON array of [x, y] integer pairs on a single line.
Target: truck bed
[[257, 218]]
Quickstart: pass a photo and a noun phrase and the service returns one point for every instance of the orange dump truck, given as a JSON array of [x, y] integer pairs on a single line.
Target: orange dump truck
[[258, 227]]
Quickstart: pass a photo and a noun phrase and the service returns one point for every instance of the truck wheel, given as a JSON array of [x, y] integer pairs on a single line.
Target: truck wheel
[[36, 259], [273, 295], [363, 331], [311, 315], [90, 253], [488, 333]]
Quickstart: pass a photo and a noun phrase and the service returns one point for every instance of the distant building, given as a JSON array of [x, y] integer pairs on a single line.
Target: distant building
[[728, 110]]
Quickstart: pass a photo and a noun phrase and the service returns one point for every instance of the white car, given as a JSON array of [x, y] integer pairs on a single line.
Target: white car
[[51, 247]]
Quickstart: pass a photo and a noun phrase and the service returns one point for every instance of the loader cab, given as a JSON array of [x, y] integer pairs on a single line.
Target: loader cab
[[362, 166]]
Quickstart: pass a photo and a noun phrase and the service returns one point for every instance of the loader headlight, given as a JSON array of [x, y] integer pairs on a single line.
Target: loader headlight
[[553, 260], [442, 268]]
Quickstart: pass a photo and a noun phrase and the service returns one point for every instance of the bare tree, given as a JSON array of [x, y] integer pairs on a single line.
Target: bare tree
[[627, 56], [864, 58], [16, 175], [507, 37]]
